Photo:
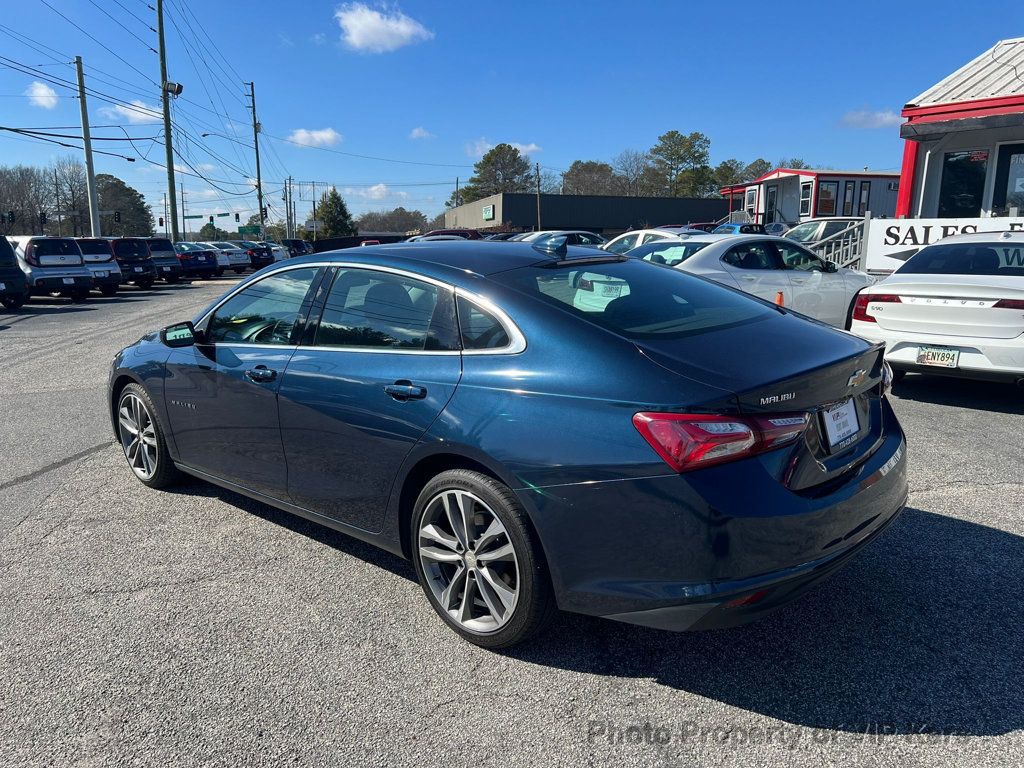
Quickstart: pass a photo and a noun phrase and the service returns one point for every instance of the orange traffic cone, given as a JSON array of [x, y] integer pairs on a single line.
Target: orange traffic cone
[[779, 299]]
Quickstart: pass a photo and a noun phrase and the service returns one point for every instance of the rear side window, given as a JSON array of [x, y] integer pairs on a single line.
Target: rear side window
[[637, 300], [671, 254], [967, 259], [479, 329], [381, 310]]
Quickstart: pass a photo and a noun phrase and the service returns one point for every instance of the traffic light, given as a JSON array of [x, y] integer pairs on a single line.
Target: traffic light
[[161, 221], [117, 216], [236, 217], [263, 213], [10, 217], [211, 218], [42, 218]]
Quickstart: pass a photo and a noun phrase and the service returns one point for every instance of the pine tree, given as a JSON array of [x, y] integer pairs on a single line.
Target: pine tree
[[334, 215]]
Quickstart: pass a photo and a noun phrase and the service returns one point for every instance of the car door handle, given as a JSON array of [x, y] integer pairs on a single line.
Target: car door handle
[[749, 278], [799, 281], [405, 390], [261, 374]]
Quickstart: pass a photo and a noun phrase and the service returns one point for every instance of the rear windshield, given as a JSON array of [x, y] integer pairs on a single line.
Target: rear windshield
[[967, 259], [55, 247], [131, 248], [160, 245], [94, 247], [225, 245], [6, 253], [636, 300]]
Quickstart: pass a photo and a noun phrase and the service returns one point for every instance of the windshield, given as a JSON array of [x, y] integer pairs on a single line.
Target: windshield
[[803, 233], [994, 258], [667, 253], [94, 247], [636, 300]]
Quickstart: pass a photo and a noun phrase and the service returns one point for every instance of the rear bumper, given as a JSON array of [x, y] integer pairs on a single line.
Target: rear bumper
[[997, 359], [715, 548], [13, 282], [52, 284], [105, 274], [167, 269], [134, 271]]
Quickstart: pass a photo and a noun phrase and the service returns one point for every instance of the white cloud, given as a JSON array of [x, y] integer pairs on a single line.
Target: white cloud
[[318, 39], [420, 133], [205, 167], [139, 112], [41, 95], [315, 137], [866, 118], [481, 146], [378, 31], [376, 192]]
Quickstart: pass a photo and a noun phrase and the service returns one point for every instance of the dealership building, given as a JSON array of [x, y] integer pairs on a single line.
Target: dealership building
[[604, 214], [963, 155]]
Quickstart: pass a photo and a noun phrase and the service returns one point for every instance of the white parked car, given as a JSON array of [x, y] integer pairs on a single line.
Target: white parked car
[[279, 251], [630, 240], [237, 259], [773, 268], [955, 308]]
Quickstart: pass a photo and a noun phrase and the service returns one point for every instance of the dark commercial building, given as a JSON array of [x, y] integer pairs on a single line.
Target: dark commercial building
[[605, 214]]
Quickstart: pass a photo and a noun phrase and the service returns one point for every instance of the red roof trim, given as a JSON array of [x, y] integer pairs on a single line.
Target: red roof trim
[[994, 106]]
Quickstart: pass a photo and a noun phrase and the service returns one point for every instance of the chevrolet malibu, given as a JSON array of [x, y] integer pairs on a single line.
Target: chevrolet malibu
[[683, 457]]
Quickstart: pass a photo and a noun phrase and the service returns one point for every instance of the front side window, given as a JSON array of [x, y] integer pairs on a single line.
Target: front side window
[[381, 310], [795, 257], [827, 193], [266, 312], [750, 256]]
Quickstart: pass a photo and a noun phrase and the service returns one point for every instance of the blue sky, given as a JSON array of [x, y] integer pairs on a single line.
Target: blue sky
[[432, 84]]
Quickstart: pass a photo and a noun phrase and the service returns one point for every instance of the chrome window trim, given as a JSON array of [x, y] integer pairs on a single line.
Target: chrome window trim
[[517, 340]]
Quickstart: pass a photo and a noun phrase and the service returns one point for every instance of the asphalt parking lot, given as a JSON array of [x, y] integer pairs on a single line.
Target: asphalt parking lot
[[200, 628]]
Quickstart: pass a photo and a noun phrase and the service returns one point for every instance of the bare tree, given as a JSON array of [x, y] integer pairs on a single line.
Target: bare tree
[[24, 192], [72, 199], [632, 168]]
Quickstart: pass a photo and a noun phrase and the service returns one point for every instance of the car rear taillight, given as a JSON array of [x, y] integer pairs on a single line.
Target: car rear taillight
[[585, 285], [860, 306], [1009, 304], [688, 441], [249, 252]]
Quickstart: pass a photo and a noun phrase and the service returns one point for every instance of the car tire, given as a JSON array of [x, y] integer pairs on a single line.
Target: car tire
[[144, 285], [13, 301], [78, 296], [174, 280], [510, 598], [109, 290], [239, 271], [220, 271], [149, 461]]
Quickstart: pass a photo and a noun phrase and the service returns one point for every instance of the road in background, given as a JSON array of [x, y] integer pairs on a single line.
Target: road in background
[[196, 627]]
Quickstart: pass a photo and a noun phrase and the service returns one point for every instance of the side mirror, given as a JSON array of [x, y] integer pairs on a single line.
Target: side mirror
[[179, 335], [830, 266]]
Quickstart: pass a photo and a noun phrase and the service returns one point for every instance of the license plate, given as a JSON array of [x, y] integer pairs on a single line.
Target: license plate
[[610, 290], [137, 269], [69, 281], [841, 422], [101, 274], [940, 357], [166, 269], [3, 286]]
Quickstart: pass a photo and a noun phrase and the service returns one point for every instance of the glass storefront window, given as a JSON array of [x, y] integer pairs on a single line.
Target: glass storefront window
[[963, 183]]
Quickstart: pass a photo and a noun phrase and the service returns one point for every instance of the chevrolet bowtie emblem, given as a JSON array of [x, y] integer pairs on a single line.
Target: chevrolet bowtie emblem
[[858, 378]]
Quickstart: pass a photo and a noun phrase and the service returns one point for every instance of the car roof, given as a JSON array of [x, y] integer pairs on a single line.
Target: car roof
[[440, 258], [1004, 236]]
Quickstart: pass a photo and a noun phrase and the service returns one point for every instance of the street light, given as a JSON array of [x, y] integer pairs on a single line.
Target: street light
[[229, 138]]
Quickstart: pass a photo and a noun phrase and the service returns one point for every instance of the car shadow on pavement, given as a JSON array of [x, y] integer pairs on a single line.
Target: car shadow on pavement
[[962, 393], [322, 534], [923, 632]]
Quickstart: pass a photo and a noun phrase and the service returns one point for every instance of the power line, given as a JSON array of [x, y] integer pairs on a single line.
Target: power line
[[114, 19]]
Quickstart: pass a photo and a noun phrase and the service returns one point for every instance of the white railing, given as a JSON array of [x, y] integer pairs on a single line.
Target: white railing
[[844, 248]]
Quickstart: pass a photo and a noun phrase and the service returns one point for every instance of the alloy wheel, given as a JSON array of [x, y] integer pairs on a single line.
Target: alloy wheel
[[137, 431], [469, 561]]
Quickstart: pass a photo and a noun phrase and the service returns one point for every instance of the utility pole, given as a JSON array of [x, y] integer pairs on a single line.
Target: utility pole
[[56, 198], [165, 213], [184, 220], [90, 171], [288, 208], [256, 143], [457, 203], [538, 197], [166, 100], [315, 227]]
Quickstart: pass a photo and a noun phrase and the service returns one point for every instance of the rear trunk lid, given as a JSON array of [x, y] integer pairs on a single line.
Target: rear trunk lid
[[805, 367], [964, 305]]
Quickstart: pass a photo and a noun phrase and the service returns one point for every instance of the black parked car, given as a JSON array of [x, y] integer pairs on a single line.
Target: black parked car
[[296, 247], [259, 255], [13, 287], [137, 267]]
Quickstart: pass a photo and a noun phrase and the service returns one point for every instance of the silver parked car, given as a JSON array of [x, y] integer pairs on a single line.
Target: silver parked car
[[53, 265], [238, 259]]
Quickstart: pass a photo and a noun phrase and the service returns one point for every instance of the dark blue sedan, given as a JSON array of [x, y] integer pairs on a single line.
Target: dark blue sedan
[[674, 454]]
